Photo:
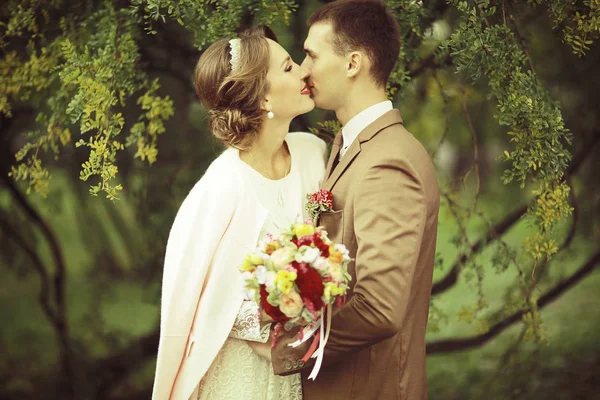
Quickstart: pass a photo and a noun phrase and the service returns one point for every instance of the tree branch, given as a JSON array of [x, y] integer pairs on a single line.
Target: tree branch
[[117, 367], [501, 227], [523, 44], [496, 231], [38, 265], [445, 103], [452, 345], [60, 276], [59, 279], [423, 65]]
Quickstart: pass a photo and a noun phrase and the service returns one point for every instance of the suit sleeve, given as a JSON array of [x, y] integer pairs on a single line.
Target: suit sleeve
[[389, 220], [199, 226]]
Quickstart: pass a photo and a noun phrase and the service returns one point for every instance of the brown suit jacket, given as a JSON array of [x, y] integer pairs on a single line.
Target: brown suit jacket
[[386, 202]]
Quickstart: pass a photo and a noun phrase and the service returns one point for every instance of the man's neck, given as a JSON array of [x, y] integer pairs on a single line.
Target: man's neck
[[358, 101]]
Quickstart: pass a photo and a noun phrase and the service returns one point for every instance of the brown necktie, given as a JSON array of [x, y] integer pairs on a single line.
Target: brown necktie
[[335, 152]]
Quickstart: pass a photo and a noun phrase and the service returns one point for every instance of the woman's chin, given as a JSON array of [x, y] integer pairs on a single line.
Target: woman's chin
[[310, 106], [307, 106]]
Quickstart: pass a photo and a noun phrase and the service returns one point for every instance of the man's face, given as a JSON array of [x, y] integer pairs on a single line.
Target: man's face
[[327, 70]]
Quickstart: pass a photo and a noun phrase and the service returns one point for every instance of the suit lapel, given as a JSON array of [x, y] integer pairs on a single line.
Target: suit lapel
[[390, 118]]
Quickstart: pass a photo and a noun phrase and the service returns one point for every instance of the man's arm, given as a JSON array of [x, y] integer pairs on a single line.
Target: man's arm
[[389, 219]]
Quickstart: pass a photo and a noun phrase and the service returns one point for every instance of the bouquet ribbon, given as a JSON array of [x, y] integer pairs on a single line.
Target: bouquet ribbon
[[309, 331], [321, 350]]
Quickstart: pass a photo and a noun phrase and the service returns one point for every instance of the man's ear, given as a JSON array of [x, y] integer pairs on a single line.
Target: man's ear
[[356, 62]]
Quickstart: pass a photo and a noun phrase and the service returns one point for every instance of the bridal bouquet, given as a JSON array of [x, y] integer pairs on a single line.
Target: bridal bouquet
[[296, 276]]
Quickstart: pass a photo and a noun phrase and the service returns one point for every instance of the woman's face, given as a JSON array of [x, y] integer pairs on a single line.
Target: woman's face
[[289, 95]]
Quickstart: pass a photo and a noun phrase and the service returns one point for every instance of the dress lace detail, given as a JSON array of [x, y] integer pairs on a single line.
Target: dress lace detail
[[238, 373], [247, 324]]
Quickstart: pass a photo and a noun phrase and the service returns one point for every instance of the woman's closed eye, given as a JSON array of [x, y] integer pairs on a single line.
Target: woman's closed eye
[[288, 69]]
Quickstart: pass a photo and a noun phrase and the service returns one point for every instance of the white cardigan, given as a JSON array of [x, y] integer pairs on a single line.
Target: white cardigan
[[216, 226]]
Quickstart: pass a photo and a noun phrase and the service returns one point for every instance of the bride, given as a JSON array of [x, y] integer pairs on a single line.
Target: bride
[[252, 90]]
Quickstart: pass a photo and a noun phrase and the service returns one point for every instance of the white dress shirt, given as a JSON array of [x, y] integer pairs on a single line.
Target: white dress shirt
[[360, 121]]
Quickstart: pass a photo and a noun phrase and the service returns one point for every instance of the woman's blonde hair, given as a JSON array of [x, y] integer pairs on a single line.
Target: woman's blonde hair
[[234, 99]]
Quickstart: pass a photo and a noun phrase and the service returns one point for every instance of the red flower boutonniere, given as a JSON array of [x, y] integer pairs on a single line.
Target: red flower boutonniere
[[318, 202]]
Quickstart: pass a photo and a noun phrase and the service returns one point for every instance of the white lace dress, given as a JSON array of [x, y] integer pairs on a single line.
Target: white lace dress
[[238, 373]]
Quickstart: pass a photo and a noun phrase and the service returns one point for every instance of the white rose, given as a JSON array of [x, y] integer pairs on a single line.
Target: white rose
[[282, 257], [310, 255], [321, 264], [291, 304], [342, 249], [261, 274], [270, 279]]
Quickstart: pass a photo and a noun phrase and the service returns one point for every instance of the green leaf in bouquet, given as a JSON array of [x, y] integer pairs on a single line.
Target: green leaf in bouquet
[[347, 275], [252, 284], [269, 265], [274, 297], [306, 315]]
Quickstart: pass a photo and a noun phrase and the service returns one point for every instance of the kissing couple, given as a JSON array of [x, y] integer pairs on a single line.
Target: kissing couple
[[215, 344]]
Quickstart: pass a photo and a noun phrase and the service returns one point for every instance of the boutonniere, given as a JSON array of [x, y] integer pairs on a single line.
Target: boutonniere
[[318, 202]]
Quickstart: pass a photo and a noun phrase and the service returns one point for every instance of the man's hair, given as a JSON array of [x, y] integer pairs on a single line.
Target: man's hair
[[365, 25]]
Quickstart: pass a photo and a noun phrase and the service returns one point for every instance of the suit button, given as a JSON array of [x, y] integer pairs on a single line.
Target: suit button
[[295, 364], [288, 365], [300, 364]]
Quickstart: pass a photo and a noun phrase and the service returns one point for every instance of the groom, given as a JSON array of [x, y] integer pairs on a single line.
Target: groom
[[386, 202]]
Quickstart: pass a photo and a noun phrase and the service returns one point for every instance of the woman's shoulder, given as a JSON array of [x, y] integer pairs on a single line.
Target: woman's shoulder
[[221, 176], [217, 192], [306, 142]]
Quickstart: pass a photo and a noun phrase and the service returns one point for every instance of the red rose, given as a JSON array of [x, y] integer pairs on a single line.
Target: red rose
[[305, 240], [271, 311], [308, 240], [310, 284], [320, 245]]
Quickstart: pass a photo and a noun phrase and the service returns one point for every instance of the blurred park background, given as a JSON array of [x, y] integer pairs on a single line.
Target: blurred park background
[[101, 138]]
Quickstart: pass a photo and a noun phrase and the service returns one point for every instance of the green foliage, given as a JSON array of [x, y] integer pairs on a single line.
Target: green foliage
[[83, 78], [540, 155], [83, 69], [437, 318], [488, 46], [411, 17], [579, 21], [327, 131], [209, 20], [86, 73]]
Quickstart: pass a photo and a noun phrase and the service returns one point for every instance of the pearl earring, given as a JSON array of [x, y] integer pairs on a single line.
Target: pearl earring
[[270, 114]]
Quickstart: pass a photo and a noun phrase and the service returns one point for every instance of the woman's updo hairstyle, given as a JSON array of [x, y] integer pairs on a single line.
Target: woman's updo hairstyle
[[234, 98]]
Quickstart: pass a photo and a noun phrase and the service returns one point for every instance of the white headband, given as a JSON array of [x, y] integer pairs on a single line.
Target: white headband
[[234, 51]]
